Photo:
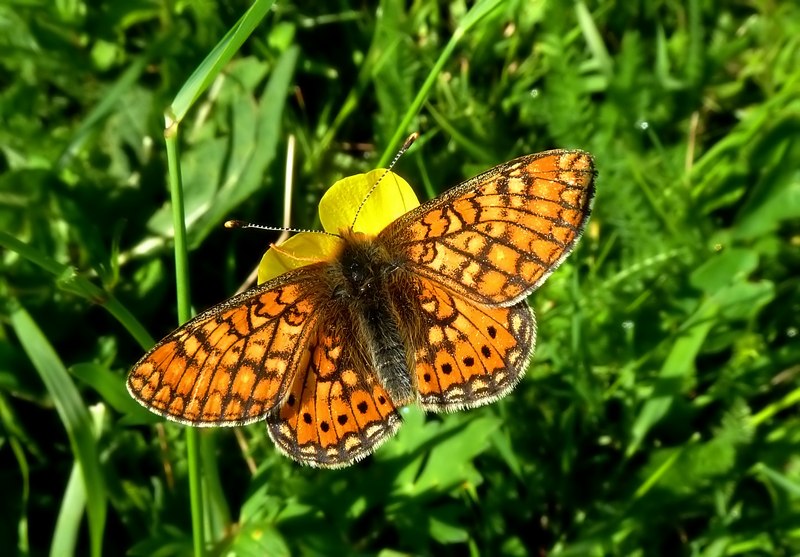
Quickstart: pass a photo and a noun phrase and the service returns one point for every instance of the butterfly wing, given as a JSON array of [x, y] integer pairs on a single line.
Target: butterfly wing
[[336, 411], [235, 362], [468, 354], [498, 236]]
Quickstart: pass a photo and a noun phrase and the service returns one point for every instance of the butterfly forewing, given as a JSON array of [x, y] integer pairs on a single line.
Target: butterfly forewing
[[498, 236], [233, 363]]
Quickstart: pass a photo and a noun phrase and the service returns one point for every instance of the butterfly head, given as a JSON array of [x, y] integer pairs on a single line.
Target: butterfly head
[[363, 262]]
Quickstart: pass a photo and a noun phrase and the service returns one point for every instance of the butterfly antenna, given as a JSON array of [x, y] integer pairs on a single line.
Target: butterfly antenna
[[408, 142], [285, 230], [242, 224]]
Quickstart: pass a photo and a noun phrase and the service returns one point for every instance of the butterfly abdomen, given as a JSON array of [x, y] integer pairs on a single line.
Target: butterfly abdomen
[[364, 269]]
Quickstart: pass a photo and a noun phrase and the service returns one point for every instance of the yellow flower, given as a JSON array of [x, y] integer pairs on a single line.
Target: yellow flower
[[337, 212]]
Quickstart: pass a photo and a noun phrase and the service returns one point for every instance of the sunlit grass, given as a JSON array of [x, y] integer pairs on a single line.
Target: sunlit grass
[[660, 413]]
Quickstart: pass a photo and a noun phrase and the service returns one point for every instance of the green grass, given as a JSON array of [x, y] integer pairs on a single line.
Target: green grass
[[660, 413]]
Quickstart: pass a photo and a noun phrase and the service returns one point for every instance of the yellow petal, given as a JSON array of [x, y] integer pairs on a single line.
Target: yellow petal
[[301, 249], [337, 211], [392, 198]]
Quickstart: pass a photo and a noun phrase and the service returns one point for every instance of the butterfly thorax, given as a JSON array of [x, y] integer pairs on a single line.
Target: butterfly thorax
[[365, 266], [364, 277]]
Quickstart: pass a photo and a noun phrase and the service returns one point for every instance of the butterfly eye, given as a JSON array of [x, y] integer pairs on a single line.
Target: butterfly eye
[[356, 271]]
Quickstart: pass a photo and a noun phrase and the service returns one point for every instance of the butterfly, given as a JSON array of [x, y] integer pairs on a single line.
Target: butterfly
[[429, 310]]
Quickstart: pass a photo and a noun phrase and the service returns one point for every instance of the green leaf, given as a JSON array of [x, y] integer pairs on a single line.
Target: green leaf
[[677, 369], [210, 68], [728, 267], [257, 539], [77, 422]]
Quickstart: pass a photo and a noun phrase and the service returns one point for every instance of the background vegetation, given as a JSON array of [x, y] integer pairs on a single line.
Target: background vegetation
[[660, 413]]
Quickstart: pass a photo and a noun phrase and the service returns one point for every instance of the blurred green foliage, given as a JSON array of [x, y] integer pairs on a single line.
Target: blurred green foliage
[[660, 414]]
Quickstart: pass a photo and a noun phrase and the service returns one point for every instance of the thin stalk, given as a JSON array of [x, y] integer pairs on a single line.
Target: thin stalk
[[184, 314]]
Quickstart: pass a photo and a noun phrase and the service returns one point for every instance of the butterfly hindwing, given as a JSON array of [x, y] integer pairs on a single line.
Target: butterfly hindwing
[[336, 411], [470, 354]]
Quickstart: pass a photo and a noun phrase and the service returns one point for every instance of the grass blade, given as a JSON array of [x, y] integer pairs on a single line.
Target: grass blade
[[74, 415]]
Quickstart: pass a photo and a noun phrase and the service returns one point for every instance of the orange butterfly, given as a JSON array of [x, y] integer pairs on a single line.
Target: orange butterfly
[[429, 310]]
